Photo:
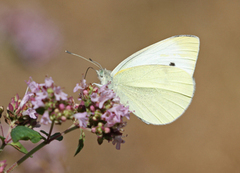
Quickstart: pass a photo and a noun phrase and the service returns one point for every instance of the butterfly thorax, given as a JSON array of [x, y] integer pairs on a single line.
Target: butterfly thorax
[[105, 77]]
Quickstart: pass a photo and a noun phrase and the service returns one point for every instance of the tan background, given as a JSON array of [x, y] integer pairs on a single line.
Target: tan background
[[205, 139]]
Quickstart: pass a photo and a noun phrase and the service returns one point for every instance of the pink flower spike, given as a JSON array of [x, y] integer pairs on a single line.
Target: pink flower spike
[[82, 119], [45, 118], [48, 81]]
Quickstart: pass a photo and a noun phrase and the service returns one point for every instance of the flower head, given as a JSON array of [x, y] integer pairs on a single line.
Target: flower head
[[21, 112], [50, 101], [101, 111]]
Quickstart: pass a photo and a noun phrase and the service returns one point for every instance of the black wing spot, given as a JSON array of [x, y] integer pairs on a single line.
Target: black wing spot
[[172, 64]]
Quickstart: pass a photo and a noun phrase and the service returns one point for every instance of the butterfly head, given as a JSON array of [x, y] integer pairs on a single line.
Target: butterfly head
[[104, 76]]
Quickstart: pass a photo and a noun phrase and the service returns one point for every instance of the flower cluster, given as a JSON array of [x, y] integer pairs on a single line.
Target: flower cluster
[[19, 112], [101, 111], [49, 101]]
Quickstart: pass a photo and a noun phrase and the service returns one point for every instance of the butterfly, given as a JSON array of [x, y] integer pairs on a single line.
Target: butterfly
[[156, 82]]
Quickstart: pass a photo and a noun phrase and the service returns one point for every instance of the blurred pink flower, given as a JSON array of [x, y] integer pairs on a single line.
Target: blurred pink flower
[[33, 37]]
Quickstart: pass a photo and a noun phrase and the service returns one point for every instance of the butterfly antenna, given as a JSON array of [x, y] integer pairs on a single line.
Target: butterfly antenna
[[89, 60], [87, 71], [96, 63]]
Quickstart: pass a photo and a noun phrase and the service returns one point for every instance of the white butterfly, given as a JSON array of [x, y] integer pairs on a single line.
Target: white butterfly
[[156, 82]]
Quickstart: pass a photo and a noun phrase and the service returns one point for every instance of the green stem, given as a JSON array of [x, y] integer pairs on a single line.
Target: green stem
[[30, 153], [26, 156], [50, 131]]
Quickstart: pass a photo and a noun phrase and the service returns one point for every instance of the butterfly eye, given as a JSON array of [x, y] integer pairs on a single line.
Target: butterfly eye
[[172, 64]]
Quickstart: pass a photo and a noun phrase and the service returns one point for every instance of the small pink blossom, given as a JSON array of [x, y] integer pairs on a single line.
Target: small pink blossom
[[31, 113], [82, 119], [48, 81], [104, 96], [61, 106], [118, 141], [24, 100], [37, 103], [45, 118], [94, 97], [59, 94], [80, 86], [33, 86], [92, 108]]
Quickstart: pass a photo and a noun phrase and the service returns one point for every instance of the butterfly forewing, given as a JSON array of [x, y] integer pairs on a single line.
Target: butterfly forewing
[[181, 50]]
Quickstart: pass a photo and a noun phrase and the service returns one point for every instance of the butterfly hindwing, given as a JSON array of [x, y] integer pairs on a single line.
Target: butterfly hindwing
[[157, 94]]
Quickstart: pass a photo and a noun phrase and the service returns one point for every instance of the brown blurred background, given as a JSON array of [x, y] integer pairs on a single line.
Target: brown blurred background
[[205, 139]]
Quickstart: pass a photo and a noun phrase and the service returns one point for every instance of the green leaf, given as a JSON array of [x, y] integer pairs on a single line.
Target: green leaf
[[40, 110], [2, 138], [59, 138], [80, 143], [45, 133], [24, 133], [19, 147]]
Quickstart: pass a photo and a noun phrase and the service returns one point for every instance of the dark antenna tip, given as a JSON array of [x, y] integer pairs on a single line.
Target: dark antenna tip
[[66, 51]]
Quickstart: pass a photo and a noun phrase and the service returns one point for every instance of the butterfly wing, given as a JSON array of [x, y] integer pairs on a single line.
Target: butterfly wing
[[157, 94], [180, 51]]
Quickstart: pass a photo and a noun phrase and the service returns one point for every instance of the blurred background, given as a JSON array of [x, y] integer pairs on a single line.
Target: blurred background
[[34, 35]]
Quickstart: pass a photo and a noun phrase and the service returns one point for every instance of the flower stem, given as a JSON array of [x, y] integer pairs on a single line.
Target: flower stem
[[16, 164], [26, 156], [50, 131]]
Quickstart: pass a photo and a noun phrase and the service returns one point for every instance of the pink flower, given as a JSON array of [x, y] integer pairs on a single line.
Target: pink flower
[[105, 94], [48, 82], [59, 94], [31, 113], [82, 119], [118, 141], [120, 111], [33, 36], [80, 86], [45, 118], [33, 86], [37, 102], [94, 97], [24, 100]]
